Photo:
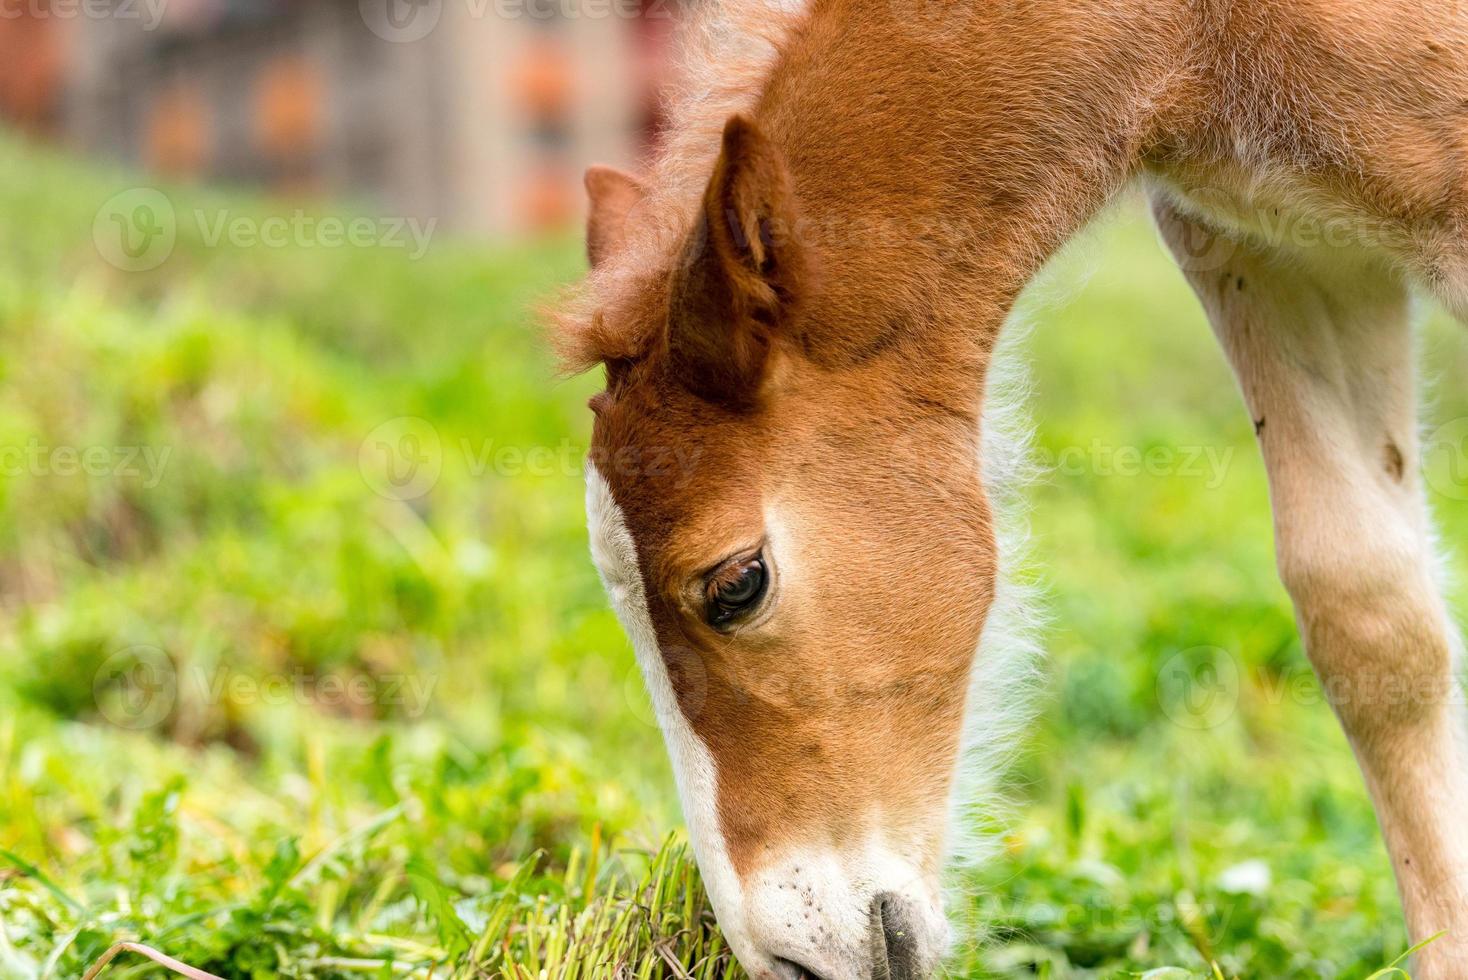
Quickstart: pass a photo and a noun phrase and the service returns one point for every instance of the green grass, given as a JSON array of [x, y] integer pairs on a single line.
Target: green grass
[[405, 737]]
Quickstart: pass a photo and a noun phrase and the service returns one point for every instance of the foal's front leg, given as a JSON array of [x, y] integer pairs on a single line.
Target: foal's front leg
[[1323, 354]]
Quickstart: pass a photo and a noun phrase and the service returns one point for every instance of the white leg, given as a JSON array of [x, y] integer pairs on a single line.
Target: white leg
[[1324, 358]]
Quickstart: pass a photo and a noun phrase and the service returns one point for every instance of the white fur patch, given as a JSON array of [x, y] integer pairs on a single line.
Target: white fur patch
[[615, 555], [1005, 674]]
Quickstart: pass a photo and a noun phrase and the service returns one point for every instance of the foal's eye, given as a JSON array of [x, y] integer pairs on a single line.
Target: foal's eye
[[734, 589]]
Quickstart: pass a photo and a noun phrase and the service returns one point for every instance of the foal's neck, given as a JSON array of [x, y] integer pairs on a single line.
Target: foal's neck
[[941, 158]]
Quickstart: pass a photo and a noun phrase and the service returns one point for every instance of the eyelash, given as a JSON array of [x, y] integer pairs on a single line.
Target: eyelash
[[722, 604]]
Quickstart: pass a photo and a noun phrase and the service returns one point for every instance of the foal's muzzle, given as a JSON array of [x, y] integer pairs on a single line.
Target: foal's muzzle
[[897, 945], [864, 912], [893, 950]]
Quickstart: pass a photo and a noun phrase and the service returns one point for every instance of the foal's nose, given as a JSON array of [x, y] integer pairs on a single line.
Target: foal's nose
[[815, 917], [894, 941]]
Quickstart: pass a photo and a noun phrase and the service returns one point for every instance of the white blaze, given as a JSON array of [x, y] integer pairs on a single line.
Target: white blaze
[[615, 555]]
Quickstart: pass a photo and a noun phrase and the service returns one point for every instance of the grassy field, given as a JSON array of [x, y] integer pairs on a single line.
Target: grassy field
[[278, 706]]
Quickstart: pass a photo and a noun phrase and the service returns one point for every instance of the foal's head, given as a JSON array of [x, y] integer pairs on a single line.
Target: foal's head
[[794, 534]]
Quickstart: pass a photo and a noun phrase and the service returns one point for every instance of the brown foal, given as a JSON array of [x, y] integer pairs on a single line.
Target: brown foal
[[797, 310]]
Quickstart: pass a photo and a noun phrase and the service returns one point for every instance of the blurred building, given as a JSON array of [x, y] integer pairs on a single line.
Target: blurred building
[[481, 113]]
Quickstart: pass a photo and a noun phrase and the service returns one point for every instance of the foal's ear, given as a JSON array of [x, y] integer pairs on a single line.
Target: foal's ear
[[613, 194], [742, 273]]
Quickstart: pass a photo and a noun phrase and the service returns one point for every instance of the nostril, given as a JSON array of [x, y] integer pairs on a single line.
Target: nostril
[[894, 945], [790, 970]]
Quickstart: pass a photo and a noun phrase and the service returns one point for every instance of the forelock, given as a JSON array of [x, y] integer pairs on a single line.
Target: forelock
[[726, 52]]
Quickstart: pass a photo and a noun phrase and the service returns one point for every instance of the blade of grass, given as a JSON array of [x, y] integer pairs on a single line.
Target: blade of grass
[[1394, 968], [162, 959]]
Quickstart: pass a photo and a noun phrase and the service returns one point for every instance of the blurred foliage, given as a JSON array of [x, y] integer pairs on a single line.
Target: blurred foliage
[[391, 732]]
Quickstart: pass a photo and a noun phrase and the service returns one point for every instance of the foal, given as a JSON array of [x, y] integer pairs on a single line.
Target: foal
[[800, 304]]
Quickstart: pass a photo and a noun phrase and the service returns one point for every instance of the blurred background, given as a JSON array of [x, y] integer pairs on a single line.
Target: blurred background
[[304, 670], [479, 114]]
